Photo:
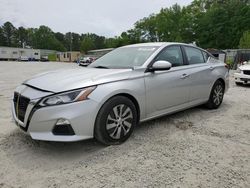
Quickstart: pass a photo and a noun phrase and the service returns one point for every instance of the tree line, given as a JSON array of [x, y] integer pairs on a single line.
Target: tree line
[[221, 24]]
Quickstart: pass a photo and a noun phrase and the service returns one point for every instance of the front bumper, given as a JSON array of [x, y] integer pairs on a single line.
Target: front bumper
[[84, 64], [40, 122], [241, 78]]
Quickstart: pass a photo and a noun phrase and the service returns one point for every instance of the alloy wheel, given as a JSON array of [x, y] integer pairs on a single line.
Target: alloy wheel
[[119, 121], [218, 94]]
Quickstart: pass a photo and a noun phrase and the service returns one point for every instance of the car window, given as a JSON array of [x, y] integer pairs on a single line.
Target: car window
[[205, 55], [194, 55], [171, 54]]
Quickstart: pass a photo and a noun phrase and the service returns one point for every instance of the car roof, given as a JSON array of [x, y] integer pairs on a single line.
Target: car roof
[[158, 44]]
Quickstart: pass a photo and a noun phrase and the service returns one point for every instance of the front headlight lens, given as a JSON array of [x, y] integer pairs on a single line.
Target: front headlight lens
[[238, 70], [67, 97]]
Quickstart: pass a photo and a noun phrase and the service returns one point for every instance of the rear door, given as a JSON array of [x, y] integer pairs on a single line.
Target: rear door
[[200, 73]]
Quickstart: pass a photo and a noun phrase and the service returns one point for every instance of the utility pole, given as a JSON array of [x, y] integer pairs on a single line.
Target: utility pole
[[70, 41]]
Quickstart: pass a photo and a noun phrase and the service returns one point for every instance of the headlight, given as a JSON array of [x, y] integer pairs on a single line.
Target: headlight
[[67, 97], [238, 70]]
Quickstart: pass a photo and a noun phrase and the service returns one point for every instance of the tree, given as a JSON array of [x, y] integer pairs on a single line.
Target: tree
[[98, 41], [2, 39], [222, 25], [134, 36], [76, 42], [169, 25], [72, 41], [9, 34], [68, 41], [45, 39], [21, 36], [111, 43], [61, 38], [245, 40], [87, 44], [31, 37]]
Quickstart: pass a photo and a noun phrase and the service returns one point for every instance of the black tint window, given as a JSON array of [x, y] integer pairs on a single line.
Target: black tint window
[[171, 54], [194, 55]]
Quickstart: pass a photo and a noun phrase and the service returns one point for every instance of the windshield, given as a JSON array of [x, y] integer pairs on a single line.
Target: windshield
[[126, 57]]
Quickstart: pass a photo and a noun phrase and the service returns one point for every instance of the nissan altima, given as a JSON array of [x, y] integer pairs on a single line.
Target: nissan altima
[[129, 85]]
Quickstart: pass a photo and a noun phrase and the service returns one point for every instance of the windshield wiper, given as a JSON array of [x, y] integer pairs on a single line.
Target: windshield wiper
[[101, 67]]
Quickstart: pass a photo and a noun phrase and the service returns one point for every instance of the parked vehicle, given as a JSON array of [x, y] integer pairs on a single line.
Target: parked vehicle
[[23, 58], [85, 61], [107, 99], [242, 75], [44, 58]]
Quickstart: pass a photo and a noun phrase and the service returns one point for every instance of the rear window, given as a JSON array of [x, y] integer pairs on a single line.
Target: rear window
[[194, 55], [205, 55]]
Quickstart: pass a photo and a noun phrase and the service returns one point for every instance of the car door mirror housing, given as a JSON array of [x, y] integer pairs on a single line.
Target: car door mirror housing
[[160, 66]]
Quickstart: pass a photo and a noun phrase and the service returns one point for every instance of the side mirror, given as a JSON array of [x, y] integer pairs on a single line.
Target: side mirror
[[160, 66]]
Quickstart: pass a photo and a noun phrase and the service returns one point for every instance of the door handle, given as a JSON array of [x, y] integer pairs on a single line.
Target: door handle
[[211, 68], [184, 76]]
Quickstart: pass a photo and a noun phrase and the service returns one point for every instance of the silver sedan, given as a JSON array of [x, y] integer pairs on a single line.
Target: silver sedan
[[129, 85]]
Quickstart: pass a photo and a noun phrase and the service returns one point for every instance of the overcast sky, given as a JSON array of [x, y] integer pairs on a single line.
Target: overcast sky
[[103, 17]]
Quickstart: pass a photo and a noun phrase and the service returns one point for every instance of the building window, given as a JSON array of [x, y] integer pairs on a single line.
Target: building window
[[64, 55], [36, 53], [4, 52], [68, 54], [14, 52]]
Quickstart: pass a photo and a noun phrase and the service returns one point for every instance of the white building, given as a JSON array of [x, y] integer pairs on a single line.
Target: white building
[[71, 56]]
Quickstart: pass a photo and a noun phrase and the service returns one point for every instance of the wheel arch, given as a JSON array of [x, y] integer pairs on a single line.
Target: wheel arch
[[133, 99], [222, 80], [130, 97]]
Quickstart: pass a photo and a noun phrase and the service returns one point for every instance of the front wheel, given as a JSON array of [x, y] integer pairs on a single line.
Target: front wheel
[[115, 121], [216, 95]]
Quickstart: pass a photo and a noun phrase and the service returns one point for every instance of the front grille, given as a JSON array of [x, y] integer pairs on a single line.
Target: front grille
[[246, 72], [20, 103]]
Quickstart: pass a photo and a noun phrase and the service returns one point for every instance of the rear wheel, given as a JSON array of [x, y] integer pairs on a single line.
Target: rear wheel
[[216, 95], [115, 121]]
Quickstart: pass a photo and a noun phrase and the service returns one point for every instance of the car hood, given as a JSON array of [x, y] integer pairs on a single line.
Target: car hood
[[68, 79], [245, 67]]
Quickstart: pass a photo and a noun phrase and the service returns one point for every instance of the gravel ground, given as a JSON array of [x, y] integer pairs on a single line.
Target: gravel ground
[[193, 148]]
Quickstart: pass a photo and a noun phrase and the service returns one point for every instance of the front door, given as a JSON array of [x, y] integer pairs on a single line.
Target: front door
[[166, 90]]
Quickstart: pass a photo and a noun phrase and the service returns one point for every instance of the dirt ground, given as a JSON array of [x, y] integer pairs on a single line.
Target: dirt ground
[[193, 148]]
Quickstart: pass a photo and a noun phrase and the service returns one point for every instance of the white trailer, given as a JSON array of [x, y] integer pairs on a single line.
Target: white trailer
[[9, 53]]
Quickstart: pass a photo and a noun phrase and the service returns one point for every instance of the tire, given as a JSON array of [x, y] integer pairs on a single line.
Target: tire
[[216, 95], [115, 121]]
